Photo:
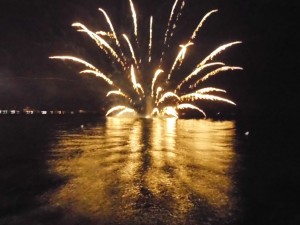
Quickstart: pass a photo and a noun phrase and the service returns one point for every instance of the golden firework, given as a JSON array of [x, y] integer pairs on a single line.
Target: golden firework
[[161, 96]]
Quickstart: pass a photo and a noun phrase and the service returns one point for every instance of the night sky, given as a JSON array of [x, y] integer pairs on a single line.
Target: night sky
[[33, 30]]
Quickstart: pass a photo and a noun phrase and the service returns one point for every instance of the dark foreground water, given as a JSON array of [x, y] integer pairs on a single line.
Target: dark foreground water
[[88, 170]]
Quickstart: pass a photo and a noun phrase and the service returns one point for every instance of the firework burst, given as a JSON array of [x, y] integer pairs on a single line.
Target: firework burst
[[154, 95]]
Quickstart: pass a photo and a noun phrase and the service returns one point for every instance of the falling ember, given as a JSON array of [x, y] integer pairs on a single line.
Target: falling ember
[[131, 49], [98, 74], [149, 93], [218, 51], [196, 96], [118, 92], [150, 38], [169, 22], [201, 23], [209, 89], [116, 108], [168, 95], [126, 110], [134, 18], [159, 71], [177, 18], [190, 106], [158, 90], [215, 72], [170, 28], [180, 57], [136, 86], [75, 59], [111, 26], [100, 41]]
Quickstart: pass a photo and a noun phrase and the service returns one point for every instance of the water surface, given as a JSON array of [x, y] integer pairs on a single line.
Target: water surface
[[120, 171]]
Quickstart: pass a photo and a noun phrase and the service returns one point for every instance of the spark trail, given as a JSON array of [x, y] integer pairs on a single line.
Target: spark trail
[[145, 87]]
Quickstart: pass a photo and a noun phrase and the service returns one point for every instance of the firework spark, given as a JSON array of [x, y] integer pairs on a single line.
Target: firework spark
[[150, 37], [161, 98]]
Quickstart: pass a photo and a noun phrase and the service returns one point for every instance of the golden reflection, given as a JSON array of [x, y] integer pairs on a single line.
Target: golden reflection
[[129, 167]]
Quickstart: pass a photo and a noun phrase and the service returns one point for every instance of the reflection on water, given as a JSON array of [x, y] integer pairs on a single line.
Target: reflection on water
[[147, 171]]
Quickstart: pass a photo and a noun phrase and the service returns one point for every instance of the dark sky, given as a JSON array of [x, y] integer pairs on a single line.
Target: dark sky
[[32, 30]]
